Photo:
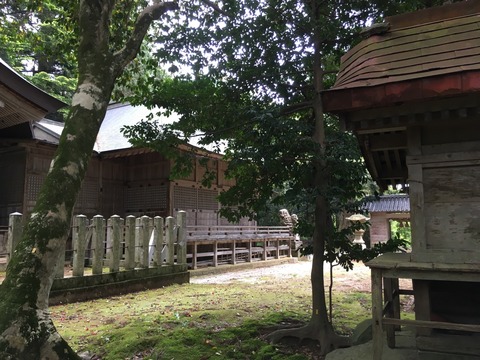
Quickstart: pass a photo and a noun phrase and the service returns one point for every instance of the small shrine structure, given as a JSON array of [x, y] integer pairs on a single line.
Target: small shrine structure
[[410, 92]]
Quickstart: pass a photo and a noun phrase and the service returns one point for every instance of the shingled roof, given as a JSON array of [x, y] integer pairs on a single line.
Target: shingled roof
[[410, 60], [392, 203], [21, 101]]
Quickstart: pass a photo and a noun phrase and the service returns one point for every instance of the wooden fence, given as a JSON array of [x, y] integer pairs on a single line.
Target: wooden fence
[[139, 243]]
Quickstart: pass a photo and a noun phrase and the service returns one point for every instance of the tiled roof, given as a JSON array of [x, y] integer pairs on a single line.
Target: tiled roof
[[394, 203], [109, 137]]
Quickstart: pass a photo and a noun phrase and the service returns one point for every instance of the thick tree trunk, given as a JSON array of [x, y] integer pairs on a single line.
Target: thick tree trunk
[[27, 331]]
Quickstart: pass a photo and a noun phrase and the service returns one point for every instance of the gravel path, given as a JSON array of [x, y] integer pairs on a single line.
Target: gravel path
[[358, 278]]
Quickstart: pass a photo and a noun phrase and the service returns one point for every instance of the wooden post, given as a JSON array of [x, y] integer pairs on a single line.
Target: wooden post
[[277, 255], [158, 225], [181, 237], [98, 239], [138, 236], [264, 256], [389, 295], [250, 251], [15, 230], [130, 242], [115, 230], [79, 242], [170, 240], [194, 255], [377, 314], [234, 250], [215, 253], [144, 240]]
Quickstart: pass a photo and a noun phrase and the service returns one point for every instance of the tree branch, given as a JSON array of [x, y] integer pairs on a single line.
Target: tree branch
[[297, 107], [215, 7], [144, 20]]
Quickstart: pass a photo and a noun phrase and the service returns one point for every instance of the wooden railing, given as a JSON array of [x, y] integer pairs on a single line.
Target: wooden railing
[[216, 245]]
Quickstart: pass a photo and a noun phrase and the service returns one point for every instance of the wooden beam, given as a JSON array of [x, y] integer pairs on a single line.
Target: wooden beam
[[388, 141]]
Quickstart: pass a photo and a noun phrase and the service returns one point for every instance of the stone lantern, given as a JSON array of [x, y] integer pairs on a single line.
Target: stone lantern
[[358, 234]]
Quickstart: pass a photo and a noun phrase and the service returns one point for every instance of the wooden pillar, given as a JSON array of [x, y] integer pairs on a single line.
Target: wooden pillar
[[377, 314], [389, 296], [15, 230], [181, 237], [129, 243], [250, 251], [194, 255], [421, 289], [234, 251], [215, 253], [146, 224], [170, 240], [79, 242], [158, 240], [98, 239], [115, 230]]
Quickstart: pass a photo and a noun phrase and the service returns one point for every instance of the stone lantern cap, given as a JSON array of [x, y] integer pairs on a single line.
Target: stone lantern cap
[[358, 217]]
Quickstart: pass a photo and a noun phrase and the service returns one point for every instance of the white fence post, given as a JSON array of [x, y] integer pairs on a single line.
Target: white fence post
[[79, 241], [98, 239], [170, 240], [130, 242], [158, 224], [115, 230], [15, 230], [181, 237]]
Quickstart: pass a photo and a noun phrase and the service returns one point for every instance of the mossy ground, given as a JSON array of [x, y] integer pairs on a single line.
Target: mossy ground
[[205, 321]]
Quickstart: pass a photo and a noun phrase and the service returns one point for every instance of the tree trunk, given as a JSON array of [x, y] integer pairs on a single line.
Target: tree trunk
[[27, 331], [319, 327], [26, 328]]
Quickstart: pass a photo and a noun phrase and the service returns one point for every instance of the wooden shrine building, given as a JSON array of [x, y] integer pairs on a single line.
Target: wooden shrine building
[[411, 94], [120, 180]]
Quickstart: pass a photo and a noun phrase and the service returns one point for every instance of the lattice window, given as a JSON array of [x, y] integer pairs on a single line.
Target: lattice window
[[34, 183], [184, 198], [142, 198], [207, 199], [156, 197], [88, 197]]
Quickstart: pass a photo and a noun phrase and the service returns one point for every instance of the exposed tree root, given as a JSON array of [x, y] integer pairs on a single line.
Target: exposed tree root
[[327, 339], [31, 335]]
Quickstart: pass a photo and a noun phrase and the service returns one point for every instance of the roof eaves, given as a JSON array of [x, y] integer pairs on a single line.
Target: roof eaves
[[11, 79]]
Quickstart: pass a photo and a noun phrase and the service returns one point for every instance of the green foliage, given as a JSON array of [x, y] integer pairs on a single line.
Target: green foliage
[[402, 230], [250, 87]]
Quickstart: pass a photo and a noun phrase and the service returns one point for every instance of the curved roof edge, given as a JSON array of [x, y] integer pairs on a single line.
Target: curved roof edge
[[14, 81]]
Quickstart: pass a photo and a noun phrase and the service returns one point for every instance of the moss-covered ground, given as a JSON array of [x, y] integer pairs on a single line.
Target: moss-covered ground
[[226, 320]]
